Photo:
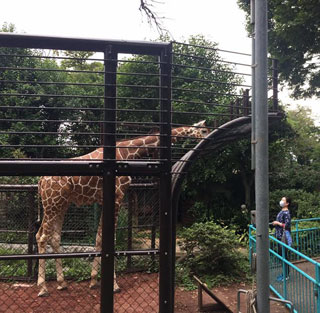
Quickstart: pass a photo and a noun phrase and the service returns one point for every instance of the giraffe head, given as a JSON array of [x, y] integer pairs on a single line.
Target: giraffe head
[[198, 130]]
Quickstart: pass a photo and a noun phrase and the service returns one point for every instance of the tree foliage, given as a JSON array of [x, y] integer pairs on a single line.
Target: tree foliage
[[295, 170], [294, 39]]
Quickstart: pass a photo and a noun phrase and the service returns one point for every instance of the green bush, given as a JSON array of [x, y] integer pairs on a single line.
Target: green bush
[[212, 250]]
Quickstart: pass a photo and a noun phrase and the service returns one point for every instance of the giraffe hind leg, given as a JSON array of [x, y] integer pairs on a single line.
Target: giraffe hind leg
[[42, 245]]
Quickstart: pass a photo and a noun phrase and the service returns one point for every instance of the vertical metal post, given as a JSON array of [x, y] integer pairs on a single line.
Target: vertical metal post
[[317, 291], [250, 246], [237, 107], [231, 110], [253, 109], [108, 208], [261, 156], [155, 210], [284, 270], [166, 276], [31, 226], [132, 202], [245, 102], [297, 239]]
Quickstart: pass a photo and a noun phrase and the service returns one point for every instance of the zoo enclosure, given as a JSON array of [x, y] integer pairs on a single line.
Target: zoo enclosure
[[300, 263], [57, 105]]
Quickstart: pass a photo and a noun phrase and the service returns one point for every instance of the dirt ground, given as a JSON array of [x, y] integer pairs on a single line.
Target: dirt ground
[[139, 293]]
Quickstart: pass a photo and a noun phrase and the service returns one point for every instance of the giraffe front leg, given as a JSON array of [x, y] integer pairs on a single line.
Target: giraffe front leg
[[97, 263], [42, 244], [97, 260], [55, 244]]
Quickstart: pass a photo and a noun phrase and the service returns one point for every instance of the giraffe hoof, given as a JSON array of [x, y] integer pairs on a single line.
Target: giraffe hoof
[[62, 286], [43, 293], [117, 290], [93, 285]]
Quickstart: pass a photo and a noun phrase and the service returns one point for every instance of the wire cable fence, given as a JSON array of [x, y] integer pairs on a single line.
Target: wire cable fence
[[52, 104], [92, 118]]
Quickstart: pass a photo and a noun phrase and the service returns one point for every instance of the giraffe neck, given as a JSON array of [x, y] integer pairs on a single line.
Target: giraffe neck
[[140, 147], [179, 132]]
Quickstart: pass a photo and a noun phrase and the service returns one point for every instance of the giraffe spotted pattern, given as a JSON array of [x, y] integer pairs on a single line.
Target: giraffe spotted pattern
[[58, 192]]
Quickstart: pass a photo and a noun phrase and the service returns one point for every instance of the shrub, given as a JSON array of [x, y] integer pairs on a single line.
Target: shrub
[[212, 250]]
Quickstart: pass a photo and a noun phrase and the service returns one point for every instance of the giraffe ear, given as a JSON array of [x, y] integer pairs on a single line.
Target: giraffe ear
[[200, 124]]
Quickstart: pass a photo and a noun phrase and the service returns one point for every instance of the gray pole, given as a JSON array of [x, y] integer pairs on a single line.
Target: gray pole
[[261, 158], [253, 109]]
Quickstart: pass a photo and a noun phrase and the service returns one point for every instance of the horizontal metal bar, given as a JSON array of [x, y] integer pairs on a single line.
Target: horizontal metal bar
[[80, 44], [210, 69], [137, 252], [138, 227], [72, 168], [207, 92], [209, 48], [139, 168], [54, 83], [37, 168], [200, 103], [78, 146], [36, 69], [44, 108], [80, 133], [75, 255], [78, 59], [209, 81], [4, 187], [306, 220], [119, 123], [75, 96], [206, 58]]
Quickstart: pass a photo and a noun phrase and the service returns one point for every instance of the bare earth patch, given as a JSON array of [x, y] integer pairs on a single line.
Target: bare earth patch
[[139, 293]]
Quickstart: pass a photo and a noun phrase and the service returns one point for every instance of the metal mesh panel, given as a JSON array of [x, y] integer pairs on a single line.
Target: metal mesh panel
[[139, 289], [71, 117]]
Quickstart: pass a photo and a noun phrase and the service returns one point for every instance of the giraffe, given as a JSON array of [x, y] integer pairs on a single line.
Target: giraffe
[[58, 192]]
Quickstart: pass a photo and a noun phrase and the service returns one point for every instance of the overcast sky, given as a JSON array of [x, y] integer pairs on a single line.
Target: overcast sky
[[219, 20]]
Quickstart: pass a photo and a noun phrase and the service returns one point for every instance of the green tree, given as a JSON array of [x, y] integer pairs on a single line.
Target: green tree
[[294, 164], [294, 39]]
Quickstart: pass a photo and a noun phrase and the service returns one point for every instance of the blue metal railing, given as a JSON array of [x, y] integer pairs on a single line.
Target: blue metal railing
[[306, 239], [302, 287]]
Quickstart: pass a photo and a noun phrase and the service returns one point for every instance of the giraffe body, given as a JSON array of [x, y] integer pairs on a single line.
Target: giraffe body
[[59, 192]]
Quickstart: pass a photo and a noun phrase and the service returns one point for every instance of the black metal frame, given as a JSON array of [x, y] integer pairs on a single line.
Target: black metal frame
[[109, 168]]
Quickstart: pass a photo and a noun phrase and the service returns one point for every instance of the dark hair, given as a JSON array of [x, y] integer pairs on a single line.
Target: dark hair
[[288, 201]]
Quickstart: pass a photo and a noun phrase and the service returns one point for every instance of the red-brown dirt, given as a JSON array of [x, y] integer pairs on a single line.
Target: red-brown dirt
[[139, 293]]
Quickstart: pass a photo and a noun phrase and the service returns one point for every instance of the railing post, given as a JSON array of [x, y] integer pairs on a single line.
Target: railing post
[[250, 246], [297, 237], [317, 287], [284, 270]]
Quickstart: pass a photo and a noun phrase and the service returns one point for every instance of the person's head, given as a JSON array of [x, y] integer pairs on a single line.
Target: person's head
[[285, 202]]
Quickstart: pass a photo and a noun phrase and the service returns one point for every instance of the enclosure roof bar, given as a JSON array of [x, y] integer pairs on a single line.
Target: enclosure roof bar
[[72, 167], [79, 44]]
